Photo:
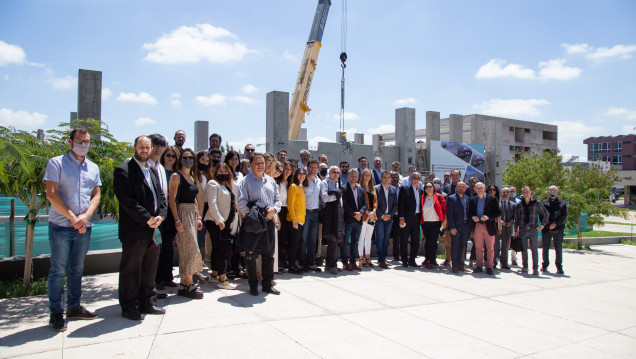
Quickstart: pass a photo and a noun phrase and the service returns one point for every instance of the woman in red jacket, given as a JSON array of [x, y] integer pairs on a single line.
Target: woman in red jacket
[[433, 219]]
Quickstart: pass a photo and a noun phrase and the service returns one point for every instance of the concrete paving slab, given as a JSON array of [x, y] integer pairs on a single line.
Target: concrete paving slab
[[622, 346], [573, 351], [631, 332], [126, 348]]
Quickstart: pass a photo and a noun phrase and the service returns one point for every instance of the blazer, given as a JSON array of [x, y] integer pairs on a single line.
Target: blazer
[[385, 207], [509, 214], [136, 201], [491, 209], [296, 207], [349, 203], [219, 202], [407, 204], [454, 211]]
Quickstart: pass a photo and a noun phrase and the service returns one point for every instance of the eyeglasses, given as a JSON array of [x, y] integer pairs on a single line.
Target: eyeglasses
[[170, 155], [249, 150], [302, 173], [187, 158], [427, 187], [86, 142]]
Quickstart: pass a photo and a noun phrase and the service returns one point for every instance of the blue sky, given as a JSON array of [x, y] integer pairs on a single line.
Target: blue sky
[[166, 63]]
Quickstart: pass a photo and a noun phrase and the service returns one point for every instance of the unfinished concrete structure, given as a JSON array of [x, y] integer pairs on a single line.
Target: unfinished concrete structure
[[89, 95]]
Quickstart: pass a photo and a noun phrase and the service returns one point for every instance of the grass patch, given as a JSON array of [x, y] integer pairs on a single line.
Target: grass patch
[[631, 243], [622, 223], [592, 234], [14, 289], [576, 246]]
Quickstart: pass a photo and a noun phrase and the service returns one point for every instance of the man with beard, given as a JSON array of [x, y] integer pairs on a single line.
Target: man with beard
[[179, 140], [344, 174]]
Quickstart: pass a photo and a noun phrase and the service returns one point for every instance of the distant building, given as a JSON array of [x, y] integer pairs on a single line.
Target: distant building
[[620, 151]]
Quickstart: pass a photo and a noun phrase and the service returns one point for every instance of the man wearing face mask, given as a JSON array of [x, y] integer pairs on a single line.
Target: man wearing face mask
[[558, 210], [215, 157], [322, 171], [73, 188]]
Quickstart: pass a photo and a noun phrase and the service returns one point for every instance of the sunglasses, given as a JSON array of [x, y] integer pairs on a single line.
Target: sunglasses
[[302, 173], [187, 158], [426, 187], [249, 150], [170, 155]]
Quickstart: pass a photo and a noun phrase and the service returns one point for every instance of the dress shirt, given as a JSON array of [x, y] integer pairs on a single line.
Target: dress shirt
[[146, 171], [282, 192], [344, 180], [312, 192], [76, 182], [417, 199], [481, 202], [264, 192], [326, 186]]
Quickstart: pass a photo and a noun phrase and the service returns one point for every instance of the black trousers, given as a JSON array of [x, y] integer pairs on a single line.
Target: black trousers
[[395, 234], [431, 232], [283, 237], [166, 254], [137, 270], [333, 250], [293, 244], [267, 261], [412, 230], [221, 248]]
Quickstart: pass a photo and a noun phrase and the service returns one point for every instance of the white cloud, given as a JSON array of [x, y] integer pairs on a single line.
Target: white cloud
[[192, 44], [250, 89], [258, 142], [289, 57], [313, 143], [601, 53], [212, 100], [512, 108], [176, 102], [244, 99], [142, 97], [106, 93], [11, 54], [348, 116], [175, 95], [405, 101], [21, 119], [572, 133], [619, 111], [576, 48], [64, 83], [554, 70], [388, 128], [495, 68], [142, 121], [628, 129]]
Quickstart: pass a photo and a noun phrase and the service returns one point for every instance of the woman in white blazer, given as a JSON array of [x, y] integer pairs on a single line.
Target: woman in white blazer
[[221, 212]]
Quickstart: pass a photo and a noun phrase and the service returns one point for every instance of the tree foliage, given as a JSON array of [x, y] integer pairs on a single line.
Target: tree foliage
[[585, 189]]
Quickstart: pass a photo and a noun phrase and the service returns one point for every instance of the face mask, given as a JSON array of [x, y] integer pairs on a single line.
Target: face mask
[[513, 194], [80, 149], [203, 166], [223, 177], [215, 162], [436, 186], [552, 193], [323, 172], [187, 163]]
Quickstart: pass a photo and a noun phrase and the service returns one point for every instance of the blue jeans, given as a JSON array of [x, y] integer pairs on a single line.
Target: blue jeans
[[307, 255], [382, 233], [352, 235], [458, 243], [68, 250]]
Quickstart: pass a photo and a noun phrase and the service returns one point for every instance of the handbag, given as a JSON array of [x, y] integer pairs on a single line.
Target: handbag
[[515, 244]]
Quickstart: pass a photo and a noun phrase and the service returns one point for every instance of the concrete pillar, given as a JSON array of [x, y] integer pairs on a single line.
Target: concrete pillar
[[358, 138], [89, 95], [277, 121], [201, 135], [302, 134], [456, 128], [405, 135], [73, 116], [432, 132], [40, 134], [376, 139], [477, 130]]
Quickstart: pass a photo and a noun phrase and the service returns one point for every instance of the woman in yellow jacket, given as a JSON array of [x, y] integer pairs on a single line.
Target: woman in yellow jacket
[[296, 209]]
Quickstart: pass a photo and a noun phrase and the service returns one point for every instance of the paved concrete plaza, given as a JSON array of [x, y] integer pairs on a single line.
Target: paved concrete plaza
[[397, 313]]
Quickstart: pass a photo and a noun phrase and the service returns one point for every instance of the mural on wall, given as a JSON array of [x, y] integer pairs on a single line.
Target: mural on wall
[[468, 158]]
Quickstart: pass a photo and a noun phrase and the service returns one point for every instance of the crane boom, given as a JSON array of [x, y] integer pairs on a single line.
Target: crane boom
[[298, 106]]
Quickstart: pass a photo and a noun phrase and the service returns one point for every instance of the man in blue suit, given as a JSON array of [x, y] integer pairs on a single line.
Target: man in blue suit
[[459, 224], [387, 204], [409, 214]]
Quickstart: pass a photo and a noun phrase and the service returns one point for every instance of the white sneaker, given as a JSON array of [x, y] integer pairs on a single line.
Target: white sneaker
[[226, 285]]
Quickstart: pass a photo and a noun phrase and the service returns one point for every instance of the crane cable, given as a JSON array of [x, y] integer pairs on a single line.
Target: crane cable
[[343, 59]]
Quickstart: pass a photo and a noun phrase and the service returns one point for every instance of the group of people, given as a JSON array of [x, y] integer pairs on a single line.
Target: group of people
[[263, 214]]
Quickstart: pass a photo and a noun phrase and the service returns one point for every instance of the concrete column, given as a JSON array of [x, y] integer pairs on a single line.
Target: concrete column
[[89, 95], [405, 135], [40, 134], [432, 132], [73, 116], [277, 121], [302, 134], [201, 135], [477, 130], [455, 128], [358, 138], [376, 139]]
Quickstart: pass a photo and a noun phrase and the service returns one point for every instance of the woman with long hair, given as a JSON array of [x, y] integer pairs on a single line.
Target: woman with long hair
[[184, 207], [296, 209], [221, 212], [433, 217], [164, 277], [368, 219], [283, 180], [202, 173], [233, 160]]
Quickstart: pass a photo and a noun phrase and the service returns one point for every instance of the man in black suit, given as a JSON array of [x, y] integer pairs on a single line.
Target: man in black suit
[[354, 205], [142, 208], [455, 176], [387, 204], [484, 210], [409, 206]]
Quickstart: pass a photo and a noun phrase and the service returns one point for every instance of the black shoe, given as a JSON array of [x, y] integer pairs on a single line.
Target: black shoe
[[505, 267], [162, 295], [254, 291], [320, 261], [489, 271], [560, 271], [79, 312], [57, 322], [544, 269], [405, 264], [478, 270], [170, 284], [296, 270], [413, 264], [133, 314], [160, 286], [272, 290], [153, 310], [315, 269]]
